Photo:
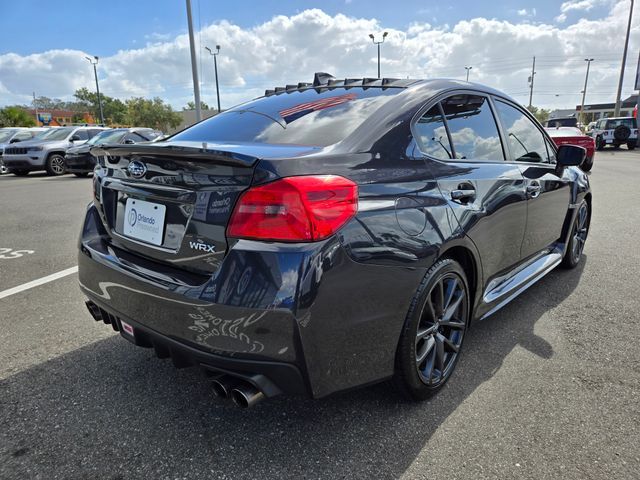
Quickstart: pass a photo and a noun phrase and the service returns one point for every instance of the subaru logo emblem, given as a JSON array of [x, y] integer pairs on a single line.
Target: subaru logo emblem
[[137, 169]]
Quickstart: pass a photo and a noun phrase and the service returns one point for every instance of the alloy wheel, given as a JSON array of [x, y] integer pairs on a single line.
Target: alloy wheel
[[441, 329], [57, 164], [580, 232]]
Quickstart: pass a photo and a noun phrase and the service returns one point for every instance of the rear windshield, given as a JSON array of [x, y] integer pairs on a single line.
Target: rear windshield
[[297, 118], [628, 122], [562, 122], [565, 132]]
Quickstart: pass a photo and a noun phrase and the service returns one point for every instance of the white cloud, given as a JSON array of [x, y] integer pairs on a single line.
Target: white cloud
[[288, 49], [527, 13], [585, 5]]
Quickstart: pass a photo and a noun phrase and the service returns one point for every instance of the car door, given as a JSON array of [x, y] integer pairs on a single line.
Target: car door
[[82, 134], [548, 190], [486, 194]]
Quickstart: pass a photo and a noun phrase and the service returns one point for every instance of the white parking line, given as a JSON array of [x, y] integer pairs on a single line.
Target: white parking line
[[39, 281]]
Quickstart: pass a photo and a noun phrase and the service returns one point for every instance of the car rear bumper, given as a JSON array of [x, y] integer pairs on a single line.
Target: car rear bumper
[[79, 163], [328, 322]]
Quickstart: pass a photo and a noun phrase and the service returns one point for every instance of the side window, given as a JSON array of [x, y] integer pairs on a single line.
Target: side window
[[551, 152], [94, 131], [22, 136], [526, 141], [473, 128], [82, 134], [431, 135]]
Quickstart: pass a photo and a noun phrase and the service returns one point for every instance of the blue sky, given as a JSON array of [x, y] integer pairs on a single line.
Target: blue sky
[[144, 51], [103, 28]]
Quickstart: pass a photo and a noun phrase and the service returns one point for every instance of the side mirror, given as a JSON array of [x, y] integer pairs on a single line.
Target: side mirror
[[128, 141], [570, 155], [14, 140], [75, 138]]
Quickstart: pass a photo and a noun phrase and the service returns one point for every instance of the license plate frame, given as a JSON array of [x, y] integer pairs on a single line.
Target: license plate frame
[[144, 221]]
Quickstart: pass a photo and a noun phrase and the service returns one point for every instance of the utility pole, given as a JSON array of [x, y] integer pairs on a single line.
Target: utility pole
[[533, 74], [584, 92], [94, 61], [194, 66], [467, 69], [35, 106], [215, 69], [378, 43], [616, 113]]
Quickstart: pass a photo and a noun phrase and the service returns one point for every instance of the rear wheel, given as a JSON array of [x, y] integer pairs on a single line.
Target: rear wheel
[[434, 329], [579, 233], [599, 143], [55, 164]]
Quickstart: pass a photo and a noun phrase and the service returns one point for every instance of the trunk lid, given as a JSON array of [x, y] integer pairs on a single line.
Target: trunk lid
[[170, 202]]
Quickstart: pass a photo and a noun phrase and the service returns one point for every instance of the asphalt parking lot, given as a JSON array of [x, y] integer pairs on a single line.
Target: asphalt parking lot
[[546, 388]]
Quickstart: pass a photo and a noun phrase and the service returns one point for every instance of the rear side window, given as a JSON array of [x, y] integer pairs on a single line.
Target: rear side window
[[432, 135], [526, 142], [317, 117], [82, 134], [473, 128]]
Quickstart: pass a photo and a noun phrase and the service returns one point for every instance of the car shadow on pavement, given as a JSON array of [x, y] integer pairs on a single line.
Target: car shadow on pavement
[[111, 410]]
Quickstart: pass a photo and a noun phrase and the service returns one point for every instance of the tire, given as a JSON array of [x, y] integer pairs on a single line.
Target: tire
[[55, 165], [20, 173], [587, 165], [599, 143], [3, 169], [427, 333], [631, 145], [579, 233], [81, 174], [621, 133]]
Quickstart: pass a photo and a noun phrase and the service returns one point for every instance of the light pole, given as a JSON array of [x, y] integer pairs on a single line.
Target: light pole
[[616, 113], [215, 69], [194, 67], [373, 39], [584, 92], [94, 61], [467, 69]]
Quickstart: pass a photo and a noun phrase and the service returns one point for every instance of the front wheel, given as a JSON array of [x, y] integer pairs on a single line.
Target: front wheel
[[579, 233], [434, 328], [3, 168], [55, 164]]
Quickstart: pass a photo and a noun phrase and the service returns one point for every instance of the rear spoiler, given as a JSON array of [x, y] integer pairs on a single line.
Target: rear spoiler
[[176, 151]]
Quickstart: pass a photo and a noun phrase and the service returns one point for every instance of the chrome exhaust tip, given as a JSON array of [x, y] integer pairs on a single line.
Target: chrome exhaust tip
[[222, 386], [246, 396]]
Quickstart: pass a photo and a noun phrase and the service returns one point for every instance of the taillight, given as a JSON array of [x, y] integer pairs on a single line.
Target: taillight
[[300, 209]]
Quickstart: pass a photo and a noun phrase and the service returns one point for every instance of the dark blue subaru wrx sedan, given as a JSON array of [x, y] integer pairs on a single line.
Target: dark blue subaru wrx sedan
[[331, 234]]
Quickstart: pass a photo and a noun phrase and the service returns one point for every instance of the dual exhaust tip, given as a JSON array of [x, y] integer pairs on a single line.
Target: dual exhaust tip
[[242, 393]]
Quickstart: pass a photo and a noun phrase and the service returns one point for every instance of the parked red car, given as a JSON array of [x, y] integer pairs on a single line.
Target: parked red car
[[574, 136]]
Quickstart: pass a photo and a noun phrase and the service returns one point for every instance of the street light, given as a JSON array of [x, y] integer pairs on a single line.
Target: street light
[[373, 39], [467, 69], [94, 61], [624, 60], [584, 92], [215, 68]]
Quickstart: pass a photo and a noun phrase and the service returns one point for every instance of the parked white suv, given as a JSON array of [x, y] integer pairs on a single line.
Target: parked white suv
[[46, 151], [615, 132]]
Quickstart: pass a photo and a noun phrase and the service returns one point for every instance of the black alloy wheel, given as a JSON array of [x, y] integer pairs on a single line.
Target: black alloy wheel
[[599, 143], [579, 233], [434, 330]]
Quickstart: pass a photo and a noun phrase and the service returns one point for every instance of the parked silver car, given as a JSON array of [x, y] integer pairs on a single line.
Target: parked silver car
[[46, 151], [9, 135]]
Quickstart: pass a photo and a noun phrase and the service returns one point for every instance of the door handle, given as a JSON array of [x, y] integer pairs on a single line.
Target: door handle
[[463, 194], [533, 189]]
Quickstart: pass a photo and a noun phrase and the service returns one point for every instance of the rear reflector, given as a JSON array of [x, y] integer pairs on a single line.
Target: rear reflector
[[295, 209]]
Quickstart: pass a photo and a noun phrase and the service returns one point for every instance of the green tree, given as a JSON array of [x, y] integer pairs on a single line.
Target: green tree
[[143, 112], [541, 114], [114, 109], [16, 116], [192, 106]]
